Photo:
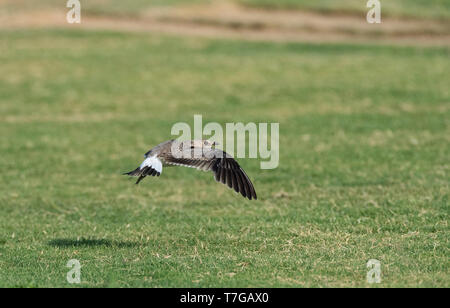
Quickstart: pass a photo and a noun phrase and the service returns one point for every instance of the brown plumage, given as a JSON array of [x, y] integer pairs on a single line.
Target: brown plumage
[[198, 154]]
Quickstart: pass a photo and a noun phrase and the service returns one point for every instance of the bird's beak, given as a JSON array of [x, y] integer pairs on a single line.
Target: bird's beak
[[215, 143]]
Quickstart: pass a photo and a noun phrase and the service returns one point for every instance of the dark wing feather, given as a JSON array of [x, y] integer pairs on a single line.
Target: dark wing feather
[[226, 170], [142, 173]]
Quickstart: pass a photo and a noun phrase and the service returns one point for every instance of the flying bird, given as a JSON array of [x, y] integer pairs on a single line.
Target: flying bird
[[198, 154]]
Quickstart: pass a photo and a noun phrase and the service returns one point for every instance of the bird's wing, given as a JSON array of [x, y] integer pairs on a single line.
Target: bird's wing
[[162, 147], [225, 168], [150, 166]]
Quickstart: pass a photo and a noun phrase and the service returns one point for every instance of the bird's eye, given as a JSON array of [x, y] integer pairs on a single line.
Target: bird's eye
[[192, 146]]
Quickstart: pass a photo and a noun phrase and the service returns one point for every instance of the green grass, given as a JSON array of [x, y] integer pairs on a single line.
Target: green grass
[[407, 8], [103, 7], [435, 9], [364, 162]]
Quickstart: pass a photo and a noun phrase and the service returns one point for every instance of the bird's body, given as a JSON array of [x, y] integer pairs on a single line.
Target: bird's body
[[199, 154]]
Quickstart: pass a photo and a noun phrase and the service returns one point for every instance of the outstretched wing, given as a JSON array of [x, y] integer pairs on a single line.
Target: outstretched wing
[[225, 168]]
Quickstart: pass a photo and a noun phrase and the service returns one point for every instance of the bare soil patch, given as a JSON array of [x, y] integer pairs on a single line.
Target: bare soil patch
[[225, 20]]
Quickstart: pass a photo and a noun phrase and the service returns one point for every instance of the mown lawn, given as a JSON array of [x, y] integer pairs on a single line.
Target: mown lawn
[[364, 162], [405, 8], [432, 9]]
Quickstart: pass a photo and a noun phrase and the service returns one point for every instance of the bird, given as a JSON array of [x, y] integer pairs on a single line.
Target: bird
[[198, 154]]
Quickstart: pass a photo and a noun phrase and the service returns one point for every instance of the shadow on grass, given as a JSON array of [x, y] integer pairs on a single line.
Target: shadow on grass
[[66, 242]]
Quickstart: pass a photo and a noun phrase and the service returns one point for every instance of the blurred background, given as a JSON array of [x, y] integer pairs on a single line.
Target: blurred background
[[285, 20], [364, 142]]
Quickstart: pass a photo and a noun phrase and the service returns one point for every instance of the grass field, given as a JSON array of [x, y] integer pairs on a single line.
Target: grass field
[[433, 9], [404, 8], [364, 162]]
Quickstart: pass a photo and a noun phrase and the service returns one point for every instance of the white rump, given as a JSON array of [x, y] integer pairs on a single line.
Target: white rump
[[152, 162]]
